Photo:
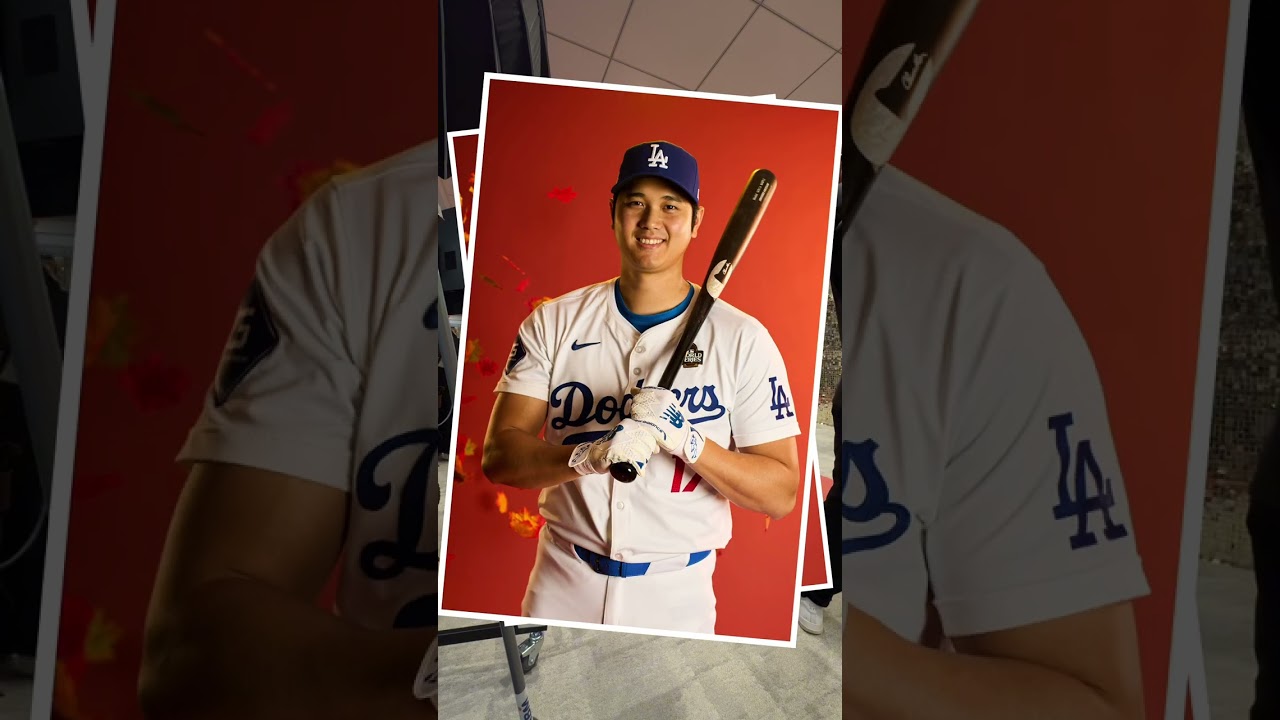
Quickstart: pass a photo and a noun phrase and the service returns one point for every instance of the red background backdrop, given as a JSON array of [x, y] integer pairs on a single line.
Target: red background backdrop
[[565, 203], [1090, 130], [220, 117]]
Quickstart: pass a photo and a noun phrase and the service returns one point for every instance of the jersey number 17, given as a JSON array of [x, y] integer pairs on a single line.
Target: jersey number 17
[[679, 478]]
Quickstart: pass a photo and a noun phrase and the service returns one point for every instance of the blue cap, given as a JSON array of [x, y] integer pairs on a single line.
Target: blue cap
[[663, 160]]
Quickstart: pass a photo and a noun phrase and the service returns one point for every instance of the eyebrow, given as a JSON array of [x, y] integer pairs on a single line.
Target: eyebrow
[[664, 197]]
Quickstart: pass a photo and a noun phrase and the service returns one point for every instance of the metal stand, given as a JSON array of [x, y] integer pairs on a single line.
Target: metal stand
[[522, 657]]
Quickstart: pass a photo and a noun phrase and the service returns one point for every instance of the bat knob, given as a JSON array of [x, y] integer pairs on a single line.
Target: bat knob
[[623, 472]]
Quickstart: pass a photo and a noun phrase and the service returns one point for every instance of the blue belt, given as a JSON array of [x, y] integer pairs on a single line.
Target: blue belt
[[604, 565]]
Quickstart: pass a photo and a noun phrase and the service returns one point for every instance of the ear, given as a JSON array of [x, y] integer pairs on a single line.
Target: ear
[[697, 220]]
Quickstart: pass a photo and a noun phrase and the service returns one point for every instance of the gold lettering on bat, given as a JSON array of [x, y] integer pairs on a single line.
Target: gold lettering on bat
[[917, 63]]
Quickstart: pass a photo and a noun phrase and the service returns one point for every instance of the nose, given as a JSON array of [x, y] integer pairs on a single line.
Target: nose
[[650, 217]]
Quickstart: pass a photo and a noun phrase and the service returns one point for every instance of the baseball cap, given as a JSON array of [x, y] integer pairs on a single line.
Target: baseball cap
[[660, 159]]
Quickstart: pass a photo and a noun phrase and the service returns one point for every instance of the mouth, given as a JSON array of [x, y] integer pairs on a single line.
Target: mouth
[[650, 242]]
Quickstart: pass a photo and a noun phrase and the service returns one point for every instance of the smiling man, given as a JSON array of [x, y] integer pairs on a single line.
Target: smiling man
[[642, 554]]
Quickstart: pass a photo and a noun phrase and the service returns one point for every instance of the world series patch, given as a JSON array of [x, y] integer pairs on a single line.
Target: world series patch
[[252, 340], [693, 357], [518, 353]]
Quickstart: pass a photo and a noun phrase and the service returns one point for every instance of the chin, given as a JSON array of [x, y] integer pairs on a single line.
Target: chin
[[649, 260]]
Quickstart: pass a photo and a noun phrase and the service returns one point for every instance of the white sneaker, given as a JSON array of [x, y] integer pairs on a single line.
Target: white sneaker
[[811, 616]]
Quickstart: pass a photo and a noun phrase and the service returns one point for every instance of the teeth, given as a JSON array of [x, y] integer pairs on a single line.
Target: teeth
[[649, 241]]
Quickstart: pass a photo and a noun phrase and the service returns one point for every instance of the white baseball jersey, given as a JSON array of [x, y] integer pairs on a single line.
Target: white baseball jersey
[[581, 355], [331, 376], [978, 451]]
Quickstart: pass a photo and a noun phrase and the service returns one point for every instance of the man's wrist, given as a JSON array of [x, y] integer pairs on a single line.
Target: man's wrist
[[694, 444], [580, 460]]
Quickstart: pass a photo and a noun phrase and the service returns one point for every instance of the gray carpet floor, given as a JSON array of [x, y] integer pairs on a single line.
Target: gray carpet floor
[[600, 675]]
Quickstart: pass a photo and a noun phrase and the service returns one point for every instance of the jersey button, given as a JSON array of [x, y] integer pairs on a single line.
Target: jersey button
[[618, 556], [636, 372], [640, 349], [622, 506]]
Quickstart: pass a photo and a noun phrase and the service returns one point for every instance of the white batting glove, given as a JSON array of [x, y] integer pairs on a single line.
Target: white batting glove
[[627, 442], [659, 410]]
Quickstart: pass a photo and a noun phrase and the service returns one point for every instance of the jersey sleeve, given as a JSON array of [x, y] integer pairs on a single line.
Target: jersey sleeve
[[285, 394], [528, 368], [1032, 521], [763, 410]]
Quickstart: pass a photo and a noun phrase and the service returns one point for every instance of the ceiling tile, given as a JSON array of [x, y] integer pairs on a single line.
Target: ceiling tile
[[571, 62], [824, 86], [770, 55], [680, 40], [591, 23], [820, 18], [622, 75]]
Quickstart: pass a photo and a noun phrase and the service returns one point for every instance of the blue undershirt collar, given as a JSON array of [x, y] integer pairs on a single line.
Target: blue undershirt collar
[[643, 322]]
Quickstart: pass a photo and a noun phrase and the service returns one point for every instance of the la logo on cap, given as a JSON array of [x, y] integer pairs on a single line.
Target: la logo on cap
[[658, 158]]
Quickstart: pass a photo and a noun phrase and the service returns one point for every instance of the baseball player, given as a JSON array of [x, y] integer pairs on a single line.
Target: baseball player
[[316, 450], [988, 552], [581, 369]]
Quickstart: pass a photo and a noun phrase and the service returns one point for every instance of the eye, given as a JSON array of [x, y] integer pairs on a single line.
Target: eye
[[672, 208]]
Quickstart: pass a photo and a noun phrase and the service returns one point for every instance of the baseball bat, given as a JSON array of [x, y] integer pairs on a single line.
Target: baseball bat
[[733, 242], [910, 43]]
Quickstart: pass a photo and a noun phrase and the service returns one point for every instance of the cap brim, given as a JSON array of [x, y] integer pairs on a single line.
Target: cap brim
[[632, 178]]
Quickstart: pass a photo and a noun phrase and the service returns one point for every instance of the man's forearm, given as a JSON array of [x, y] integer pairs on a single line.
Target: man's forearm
[[244, 650], [889, 678], [752, 482], [523, 460]]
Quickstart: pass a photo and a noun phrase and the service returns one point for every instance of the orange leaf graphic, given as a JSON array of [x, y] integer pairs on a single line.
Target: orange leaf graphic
[[100, 642], [526, 524]]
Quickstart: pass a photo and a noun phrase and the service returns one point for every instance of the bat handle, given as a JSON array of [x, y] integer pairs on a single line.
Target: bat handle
[[623, 472]]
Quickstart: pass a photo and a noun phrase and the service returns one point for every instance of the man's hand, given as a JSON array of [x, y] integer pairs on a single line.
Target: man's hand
[[628, 442], [659, 410]]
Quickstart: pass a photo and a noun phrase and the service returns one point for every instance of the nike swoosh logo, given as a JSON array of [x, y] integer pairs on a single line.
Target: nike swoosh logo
[[576, 346]]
